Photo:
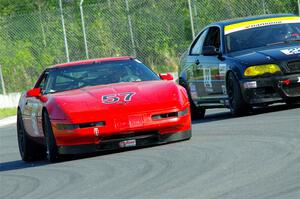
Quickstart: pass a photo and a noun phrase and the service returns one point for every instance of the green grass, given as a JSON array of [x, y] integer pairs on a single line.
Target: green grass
[[5, 112]]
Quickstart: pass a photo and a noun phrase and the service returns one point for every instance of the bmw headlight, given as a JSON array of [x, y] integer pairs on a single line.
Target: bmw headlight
[[261, 70]]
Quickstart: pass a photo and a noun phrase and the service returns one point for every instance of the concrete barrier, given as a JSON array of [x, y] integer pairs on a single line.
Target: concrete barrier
[[10, 100]]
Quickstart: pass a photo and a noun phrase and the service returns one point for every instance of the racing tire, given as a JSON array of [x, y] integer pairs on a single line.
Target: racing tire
[[29, 150], [196, 112], [237, 105], [51, 147]]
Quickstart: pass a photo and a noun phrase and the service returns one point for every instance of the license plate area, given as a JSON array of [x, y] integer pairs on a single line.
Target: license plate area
[[131, 121], [136, 121]]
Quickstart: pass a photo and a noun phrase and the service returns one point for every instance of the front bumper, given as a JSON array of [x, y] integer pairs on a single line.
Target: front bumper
[[123, 126], [139, 140], [268, 90]]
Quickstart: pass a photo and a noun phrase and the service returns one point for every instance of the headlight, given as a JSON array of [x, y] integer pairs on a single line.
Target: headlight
[[261, 69]]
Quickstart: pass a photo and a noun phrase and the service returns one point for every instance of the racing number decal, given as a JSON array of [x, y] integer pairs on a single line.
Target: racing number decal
[[110, 99], [207, 77], [114, 98]]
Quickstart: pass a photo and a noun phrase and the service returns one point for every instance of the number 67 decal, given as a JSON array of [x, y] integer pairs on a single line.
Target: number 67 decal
[[114, 98]]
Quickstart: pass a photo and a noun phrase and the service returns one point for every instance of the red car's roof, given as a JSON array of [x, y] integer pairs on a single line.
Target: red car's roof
[[90, 61]]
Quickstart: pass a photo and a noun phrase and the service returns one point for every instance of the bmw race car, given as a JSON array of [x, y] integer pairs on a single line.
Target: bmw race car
[[243, 63], [100, 104]]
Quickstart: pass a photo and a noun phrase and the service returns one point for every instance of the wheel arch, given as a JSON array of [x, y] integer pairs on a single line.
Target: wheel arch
[[235, 72]]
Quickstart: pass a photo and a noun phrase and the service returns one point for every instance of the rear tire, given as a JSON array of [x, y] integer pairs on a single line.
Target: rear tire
[[29, 150], [196, 112], [51, 147], [237, 105]]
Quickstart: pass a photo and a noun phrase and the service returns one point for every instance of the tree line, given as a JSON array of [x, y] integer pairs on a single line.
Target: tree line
[[32, 37]]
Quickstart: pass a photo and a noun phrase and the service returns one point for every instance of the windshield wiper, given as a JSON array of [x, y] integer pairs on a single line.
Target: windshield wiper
[[284, 42]]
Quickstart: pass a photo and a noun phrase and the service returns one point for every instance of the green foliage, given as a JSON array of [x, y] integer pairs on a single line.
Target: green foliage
[[5, 112], [32, 38]]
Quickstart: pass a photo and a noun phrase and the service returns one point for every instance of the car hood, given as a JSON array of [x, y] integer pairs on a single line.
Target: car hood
[[99, 102], [267, 55]]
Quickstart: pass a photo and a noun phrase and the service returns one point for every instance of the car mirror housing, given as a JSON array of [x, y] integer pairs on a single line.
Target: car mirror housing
[[35, 92], [210, 51], [166, 76]]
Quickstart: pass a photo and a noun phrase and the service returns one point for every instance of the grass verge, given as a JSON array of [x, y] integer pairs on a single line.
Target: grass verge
[[5, 112]]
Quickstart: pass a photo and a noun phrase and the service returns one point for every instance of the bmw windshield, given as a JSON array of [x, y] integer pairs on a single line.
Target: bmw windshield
[[262, 36], [74, 77]]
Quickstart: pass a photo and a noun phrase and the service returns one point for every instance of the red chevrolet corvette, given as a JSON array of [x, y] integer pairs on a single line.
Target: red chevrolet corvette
[[100, 104]]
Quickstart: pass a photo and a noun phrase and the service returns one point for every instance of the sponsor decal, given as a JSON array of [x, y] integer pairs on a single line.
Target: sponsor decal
[[34, 123], [259, 23], [291, 51], [119, 97], [193, 90], [127, 143], [207, 77], [222, 69]]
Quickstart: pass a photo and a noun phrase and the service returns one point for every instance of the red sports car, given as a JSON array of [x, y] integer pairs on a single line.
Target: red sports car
[[100, 104]]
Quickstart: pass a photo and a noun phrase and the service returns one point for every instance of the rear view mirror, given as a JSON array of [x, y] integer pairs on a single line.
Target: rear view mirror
[[35, 92], [166, 76]]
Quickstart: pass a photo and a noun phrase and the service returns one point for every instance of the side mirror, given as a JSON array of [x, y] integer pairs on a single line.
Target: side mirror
[[166, 76], [210, 51], [35, 92]]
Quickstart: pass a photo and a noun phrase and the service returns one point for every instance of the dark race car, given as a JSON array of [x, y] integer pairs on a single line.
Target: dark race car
[[243, 63], [100, 104]]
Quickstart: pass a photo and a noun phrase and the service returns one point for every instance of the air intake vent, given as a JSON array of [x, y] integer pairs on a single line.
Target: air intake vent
[[165, 115], [293, 67]]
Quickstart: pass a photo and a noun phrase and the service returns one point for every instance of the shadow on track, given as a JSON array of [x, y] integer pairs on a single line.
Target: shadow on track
[[19, 164]]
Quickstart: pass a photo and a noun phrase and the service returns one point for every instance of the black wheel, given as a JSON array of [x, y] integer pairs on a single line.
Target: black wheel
[[29, 150], [197, 112], [237, 105], [51, 147]]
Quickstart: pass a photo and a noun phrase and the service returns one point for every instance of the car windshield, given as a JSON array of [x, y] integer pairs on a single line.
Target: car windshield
[[74, 77], [262, 36]]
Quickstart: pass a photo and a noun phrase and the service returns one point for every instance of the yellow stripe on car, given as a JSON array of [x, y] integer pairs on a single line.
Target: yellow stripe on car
[[260, 22]]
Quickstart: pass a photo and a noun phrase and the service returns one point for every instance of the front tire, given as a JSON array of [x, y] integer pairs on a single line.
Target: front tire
[[51, 147], [237, 105], [29, 150]]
